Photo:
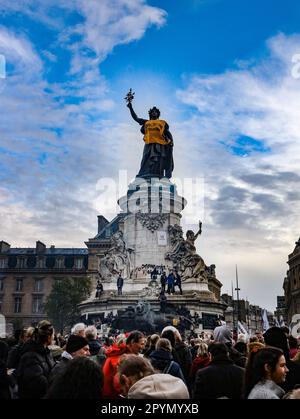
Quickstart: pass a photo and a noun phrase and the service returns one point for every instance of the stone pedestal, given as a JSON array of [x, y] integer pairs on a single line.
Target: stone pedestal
[[149, 209]]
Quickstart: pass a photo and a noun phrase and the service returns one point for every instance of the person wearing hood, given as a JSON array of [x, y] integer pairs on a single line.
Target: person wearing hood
[[36, 363], [139, 381], [222, 333], [162, 359]]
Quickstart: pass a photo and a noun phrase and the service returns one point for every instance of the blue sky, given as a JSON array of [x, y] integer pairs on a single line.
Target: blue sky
[[223, 75]]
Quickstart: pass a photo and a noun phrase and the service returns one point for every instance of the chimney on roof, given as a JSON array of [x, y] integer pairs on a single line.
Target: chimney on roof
[[40, 247], [102, 222], [4, 247]]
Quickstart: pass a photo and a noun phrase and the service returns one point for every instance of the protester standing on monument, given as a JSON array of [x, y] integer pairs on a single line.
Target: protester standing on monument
[[99, 289], [157, 158], [163, 281], [170, 282], [177, 281], [120, 283]]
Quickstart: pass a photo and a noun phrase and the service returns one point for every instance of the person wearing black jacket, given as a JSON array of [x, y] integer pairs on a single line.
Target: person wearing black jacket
[[120, 283], [36, 363], [181, 352], [163, 281], [177, 282], [221, 378]]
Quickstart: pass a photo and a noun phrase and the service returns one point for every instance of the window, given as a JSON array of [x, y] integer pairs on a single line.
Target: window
[[41, 263], [19, 284], [38, 285], [78, 263], [3, 263], [21, 263], [18, 304], [60, 263], [1, 284], [37, 304]]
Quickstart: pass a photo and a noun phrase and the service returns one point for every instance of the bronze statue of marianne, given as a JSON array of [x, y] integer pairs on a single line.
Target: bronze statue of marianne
[[157, 158]]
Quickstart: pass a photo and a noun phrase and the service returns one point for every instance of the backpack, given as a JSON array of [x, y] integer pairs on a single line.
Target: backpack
[[168, 368]]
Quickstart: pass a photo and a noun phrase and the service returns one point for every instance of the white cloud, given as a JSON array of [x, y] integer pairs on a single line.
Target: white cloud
[[113, 22], [19, 52], [52, 151], [105, 24]]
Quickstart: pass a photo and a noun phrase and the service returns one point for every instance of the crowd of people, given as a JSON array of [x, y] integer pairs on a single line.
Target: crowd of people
[[43, 365]]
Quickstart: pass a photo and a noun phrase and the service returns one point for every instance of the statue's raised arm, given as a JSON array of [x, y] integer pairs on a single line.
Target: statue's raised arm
[[199, 231], [129, 98], [157, 158], [191, 237]]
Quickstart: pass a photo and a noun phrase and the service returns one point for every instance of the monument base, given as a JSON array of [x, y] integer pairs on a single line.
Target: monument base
[[193, 310]]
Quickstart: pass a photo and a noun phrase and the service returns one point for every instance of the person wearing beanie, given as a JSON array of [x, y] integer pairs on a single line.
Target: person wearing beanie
[[76, 346], [276, 337]]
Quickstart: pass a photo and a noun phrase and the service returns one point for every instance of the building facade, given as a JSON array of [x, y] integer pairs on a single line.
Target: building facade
[[27, 276], [291, 284], [248, 314], [280, 313]]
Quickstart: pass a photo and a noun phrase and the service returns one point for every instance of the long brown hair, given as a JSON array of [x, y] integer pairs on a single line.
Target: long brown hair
[[255, 369]]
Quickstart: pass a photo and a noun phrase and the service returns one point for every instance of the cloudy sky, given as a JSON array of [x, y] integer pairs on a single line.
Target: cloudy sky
[[226, 76]]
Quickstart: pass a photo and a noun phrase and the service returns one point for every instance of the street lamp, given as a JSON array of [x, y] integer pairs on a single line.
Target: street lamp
[[237, 289]]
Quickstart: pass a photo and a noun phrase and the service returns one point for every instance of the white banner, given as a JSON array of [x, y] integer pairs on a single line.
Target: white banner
[[265, 320]]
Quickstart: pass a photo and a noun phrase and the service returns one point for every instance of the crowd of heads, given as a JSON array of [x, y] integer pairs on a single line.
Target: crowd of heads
[[166, 364]]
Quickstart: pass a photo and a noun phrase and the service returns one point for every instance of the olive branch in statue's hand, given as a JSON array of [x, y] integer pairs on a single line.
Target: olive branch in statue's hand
[[129, 97]]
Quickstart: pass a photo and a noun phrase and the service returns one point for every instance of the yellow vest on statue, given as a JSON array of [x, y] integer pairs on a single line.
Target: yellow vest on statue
[[154, 130]]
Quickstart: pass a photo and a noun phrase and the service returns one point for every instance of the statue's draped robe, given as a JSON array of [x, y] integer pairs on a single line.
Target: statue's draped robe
[[157, 160]]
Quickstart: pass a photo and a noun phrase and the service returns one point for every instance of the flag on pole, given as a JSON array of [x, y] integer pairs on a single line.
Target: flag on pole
[[265, 320], [242, 329], [281, 321], [276, 322]]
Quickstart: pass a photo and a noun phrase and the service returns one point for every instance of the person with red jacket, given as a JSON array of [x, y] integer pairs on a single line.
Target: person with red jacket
[[135, 343]]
